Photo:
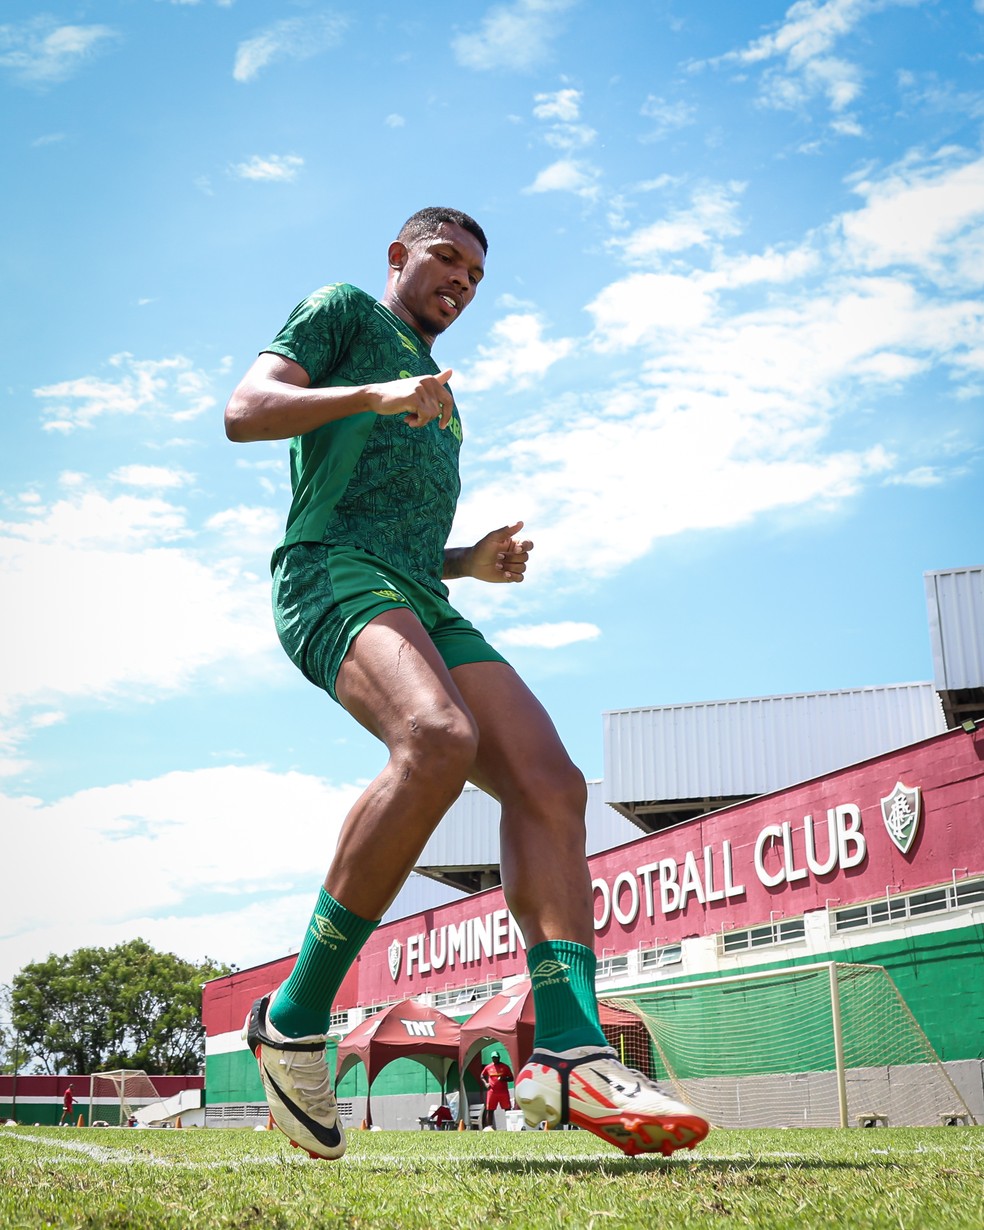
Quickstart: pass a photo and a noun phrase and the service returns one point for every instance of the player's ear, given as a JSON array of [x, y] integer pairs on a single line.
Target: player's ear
[[397, 255]]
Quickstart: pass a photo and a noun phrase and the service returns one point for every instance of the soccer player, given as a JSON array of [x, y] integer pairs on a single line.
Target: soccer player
[[495, 1077], [68, 1104], [362, 609]]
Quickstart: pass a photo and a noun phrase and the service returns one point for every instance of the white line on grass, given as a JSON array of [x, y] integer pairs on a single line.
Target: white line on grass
[[62, 1151]]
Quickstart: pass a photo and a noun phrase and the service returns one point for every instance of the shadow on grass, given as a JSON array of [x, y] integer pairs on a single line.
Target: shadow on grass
[[648, 1164]]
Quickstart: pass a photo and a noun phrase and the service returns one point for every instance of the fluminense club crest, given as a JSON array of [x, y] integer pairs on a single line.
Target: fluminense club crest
[[901, 812], [395, 953]]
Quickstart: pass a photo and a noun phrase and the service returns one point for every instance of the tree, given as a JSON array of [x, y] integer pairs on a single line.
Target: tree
[[123, 1007], [9, 1057]]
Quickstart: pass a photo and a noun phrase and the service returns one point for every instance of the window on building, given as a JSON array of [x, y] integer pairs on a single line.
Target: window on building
[[658, 958], [611, 967], [782, 931], [938, 900]]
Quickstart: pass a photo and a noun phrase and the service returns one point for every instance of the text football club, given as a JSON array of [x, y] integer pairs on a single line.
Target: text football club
[[781, 855]]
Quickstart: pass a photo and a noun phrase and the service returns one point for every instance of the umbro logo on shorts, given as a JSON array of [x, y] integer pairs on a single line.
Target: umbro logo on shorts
[[390, 592]]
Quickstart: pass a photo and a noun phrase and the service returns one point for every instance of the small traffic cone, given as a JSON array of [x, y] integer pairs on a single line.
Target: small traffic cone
[[364, 1125], [81, 1122], [462, 1126], [177, 1122], [270, 1124]]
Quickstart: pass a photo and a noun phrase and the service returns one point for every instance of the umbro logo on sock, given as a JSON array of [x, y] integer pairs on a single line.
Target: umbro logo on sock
[[325, 932], [549, 972]]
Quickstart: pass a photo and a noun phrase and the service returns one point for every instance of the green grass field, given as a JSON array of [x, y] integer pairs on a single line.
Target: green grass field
[[899, 1179]]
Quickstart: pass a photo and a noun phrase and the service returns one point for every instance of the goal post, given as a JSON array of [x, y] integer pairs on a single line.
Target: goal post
[[115, 1097], [829, 1044]]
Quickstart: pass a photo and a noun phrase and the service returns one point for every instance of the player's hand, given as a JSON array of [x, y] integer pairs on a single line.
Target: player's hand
[[420, 399], [500, 556]]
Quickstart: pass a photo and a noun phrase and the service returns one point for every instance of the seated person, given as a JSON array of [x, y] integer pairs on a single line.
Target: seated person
[[441, 1116]]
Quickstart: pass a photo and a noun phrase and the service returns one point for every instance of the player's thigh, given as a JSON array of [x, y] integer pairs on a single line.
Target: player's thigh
[[521, 758], [394, 682]]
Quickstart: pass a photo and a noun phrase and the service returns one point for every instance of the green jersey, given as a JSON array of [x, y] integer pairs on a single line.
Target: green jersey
[[369, 480]]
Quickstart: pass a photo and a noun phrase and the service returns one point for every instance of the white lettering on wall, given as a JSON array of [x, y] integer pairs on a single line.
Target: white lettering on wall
[[769, 835], [601, 887], [782, 854], [626, 880], [851, 845], [809, 831]]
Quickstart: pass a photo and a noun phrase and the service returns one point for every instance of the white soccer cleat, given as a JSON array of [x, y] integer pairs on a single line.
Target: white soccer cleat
[[295, 1079], [590, 1087]]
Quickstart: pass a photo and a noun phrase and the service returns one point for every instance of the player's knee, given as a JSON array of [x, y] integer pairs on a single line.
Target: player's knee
[[556, 797], [440, 745]]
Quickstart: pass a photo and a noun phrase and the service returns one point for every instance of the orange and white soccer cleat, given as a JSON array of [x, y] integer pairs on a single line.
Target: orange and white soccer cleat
[[590, 1088]]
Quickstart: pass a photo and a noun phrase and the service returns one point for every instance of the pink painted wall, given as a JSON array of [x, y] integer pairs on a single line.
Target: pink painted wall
[[948, 771]]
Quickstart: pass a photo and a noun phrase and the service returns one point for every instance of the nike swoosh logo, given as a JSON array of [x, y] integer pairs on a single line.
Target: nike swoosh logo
[[629, 1093], [331, 1137]]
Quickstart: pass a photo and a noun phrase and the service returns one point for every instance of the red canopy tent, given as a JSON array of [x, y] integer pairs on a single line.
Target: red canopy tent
[[508, 1019], [407, 1030]]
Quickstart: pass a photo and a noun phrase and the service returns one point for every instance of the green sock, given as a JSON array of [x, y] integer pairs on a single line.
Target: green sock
[[563, 977], [302, 1006]]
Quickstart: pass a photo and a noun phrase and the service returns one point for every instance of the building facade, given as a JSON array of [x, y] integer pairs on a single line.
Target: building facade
[[879, 862]]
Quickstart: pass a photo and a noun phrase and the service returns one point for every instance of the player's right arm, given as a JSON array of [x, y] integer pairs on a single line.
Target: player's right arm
[[275, 401]]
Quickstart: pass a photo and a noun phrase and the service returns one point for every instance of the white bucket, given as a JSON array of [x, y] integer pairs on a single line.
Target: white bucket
[[515, 1120]]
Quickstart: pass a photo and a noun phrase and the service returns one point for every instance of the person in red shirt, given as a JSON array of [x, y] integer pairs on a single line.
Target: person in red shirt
[[68, 1101], [495, 1078], [441, 1116]]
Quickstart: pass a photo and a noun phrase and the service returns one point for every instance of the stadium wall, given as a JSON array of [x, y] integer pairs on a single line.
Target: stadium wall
[[38, 1099], [809, 873]]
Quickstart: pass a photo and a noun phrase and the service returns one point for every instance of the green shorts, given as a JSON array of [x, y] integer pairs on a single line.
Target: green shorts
[[324, 596]]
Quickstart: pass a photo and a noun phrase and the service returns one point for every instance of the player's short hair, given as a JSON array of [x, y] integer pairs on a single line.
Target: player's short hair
[[425, 222]]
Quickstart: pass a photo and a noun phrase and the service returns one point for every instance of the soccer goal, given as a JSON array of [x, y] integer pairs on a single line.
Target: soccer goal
[[115, 1097], [822, 1045]]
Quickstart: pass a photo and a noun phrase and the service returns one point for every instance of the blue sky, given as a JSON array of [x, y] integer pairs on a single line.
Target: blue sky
[[727, 365]]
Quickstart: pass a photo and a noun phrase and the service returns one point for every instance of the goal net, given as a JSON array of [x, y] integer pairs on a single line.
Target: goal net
[[115, 1097], [823, 1045]]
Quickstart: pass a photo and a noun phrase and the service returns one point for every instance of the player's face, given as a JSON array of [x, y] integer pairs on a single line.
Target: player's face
[[438, 278]]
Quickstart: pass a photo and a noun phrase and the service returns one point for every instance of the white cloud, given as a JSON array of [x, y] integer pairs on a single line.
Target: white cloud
[[644, 304], [169, 387], [395, 121], [560, 112], [513, 36], [548, 636], [920, 476], [563, 105], [733, 379], [248, 531], [154, 478], [152, 850], [277, 168], [294, 38], [567, 175], [927, 213], [711, 216], [174, 614], [667, 116], [518, 355], [803, 43], [39, 52]]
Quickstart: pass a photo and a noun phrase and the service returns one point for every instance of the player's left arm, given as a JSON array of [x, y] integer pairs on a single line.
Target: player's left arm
[[499, 556]]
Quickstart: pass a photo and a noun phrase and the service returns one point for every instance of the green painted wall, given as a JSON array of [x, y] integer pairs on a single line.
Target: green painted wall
[[940, 976]]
